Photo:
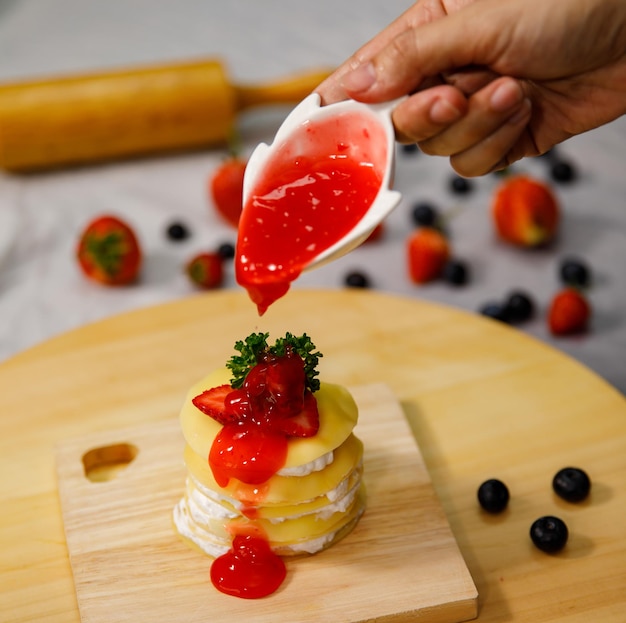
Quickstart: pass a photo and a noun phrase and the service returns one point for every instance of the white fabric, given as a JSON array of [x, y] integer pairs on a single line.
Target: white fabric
[[42, 292]]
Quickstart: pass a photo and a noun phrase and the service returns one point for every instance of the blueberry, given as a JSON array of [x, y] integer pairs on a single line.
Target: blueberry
[[574, 272], [572, 484], [456, 272], [562, 171], [357, 279], [424, 214], [494, 310], [493, 495], [226, 250], [519, 307], [549, 534], [409, 148], [177, 231], [460, 185]]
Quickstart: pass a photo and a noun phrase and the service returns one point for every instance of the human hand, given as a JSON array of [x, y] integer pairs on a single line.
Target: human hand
[[490, 82]]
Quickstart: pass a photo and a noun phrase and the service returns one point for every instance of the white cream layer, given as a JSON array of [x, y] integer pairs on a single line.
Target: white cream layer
[[308, 468], [214, 546]]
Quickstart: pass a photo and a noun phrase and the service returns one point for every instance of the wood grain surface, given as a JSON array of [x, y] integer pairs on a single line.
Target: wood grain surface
[[125, 553], [483, 400]]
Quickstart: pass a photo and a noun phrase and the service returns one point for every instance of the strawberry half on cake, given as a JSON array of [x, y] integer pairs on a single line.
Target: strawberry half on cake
[[274, 468]]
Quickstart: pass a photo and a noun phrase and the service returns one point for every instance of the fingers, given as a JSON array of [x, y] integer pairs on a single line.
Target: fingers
[[458, 104], [413, 55], [496, 116], [478, 133], [427, 113], [487, 110], [469, 80], [427, 40], [497, 150], [331, 90]]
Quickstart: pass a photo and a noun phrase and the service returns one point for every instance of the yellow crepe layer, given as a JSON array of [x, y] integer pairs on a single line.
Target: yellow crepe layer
[[337, 409], [281, 490]]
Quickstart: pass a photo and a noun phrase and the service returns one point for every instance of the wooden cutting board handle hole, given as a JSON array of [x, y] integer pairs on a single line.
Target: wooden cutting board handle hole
[[106, 463]]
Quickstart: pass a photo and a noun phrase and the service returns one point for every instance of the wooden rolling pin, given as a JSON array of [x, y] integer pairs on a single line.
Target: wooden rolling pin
[[142, 111]]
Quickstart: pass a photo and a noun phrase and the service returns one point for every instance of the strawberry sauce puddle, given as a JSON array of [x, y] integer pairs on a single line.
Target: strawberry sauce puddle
[[315, 188], [250, 569]]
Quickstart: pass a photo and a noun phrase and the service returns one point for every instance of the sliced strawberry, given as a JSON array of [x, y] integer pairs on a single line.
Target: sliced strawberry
[[212, 403], [304, 424]]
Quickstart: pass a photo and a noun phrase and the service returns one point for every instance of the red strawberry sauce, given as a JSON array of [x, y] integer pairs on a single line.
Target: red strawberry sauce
[[249, 570], [248, 452], [251, 447], [252, 454], [313, 190]]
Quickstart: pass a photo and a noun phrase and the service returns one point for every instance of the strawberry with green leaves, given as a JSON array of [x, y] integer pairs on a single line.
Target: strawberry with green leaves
[[272, 386], [108, 251], [206, 270]]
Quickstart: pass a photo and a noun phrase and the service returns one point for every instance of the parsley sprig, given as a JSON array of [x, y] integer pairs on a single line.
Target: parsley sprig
[[255, 346]]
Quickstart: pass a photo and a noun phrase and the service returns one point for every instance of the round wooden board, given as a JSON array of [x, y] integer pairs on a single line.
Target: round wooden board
[[483, 400]]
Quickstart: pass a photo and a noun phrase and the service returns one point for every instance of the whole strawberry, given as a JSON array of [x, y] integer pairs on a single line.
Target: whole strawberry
[[206, 270], [525, 212], [108, 251], [569, 313], [428, 251], [226, 189]]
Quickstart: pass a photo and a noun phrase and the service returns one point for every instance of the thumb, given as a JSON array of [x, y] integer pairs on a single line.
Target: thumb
[[471, 37]]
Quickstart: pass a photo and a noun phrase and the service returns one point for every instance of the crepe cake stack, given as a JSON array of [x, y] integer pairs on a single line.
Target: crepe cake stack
[[312, 501]]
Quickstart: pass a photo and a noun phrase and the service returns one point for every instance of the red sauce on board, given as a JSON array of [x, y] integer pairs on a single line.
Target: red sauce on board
[[250, 569], [313, 191]]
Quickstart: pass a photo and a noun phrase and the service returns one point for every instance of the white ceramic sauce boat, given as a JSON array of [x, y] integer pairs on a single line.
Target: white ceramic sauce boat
[[309, 110]]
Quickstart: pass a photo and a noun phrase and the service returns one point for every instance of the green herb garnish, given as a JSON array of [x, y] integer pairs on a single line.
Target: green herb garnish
[[255, 346]]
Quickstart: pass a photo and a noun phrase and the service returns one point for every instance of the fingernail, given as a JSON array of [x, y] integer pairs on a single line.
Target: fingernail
[[522, 113], [442, 111], [507, 96], [359, 79]]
